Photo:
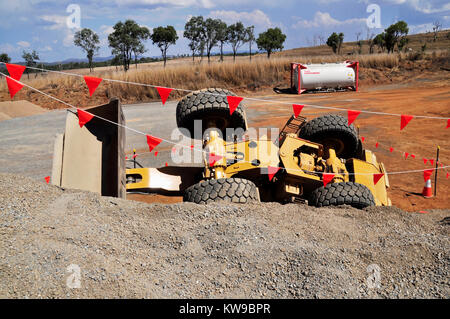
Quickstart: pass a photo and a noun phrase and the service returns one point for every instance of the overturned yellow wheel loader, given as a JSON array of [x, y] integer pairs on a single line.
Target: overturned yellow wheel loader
[[236, 166], [241, 168]]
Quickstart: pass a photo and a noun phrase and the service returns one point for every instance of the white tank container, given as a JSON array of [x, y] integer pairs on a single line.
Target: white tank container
[[324, 76]]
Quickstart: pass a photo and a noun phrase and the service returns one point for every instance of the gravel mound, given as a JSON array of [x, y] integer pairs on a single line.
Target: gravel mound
[[136, 250]]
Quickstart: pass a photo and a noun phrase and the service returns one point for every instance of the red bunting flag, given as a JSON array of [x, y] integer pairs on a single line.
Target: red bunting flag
[[406, 155], [167, 164], [47, 179], [448, 123], [447, 175], [15, 71], [233, 102], [327, 177], [192, 147], [84, 117], [376, 145], [164, 93], [153, 142], [377, 177], [425, 160], [156, 154], [92, 83], [391, 149], [13, 87], [297, 109], [352, 115], [427, 174], [213, 158], [134, 156], [271, 171], [405, 120], [431, 162], [413, 156]]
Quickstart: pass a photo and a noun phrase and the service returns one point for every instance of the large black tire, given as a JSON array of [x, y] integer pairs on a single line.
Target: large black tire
[[210, 105], [348, 193], [234, 190], [332, 131]]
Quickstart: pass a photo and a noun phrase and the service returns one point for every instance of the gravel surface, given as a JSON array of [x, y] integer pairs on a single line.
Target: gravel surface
[[137, 250]]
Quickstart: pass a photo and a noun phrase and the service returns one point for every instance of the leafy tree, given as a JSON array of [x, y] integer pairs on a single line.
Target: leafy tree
[[222, 36], [395, 34], [250, 38], [436, 27], [271, 40], [30, 60], [127, 38], [87, 40], [236, 36], [193, 31], [341, 40], [379, 41], [163, 37], [5, 58], [211, 34], [333, 42]]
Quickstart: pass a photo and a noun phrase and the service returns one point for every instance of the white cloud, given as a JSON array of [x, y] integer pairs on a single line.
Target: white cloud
[[256, 17], [420, 28], [68, 38], [324, 19], [106, 29], [23, 44], [427, 7], [8, 48], [55, 22], [176, 3]]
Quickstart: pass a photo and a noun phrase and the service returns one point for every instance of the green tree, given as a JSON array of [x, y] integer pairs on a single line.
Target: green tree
[[139, 49], [222, 36], [193, 31], [250, 38], [30, 60], [211, 34], [5, 58], [126, 38], [380, 42], [333, 42], [271, 40], [87, 40], [163, 37], [341, 41], [236, 36], [395, 34]]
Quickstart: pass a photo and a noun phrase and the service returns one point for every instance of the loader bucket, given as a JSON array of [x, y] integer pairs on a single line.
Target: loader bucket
[[92, 157]]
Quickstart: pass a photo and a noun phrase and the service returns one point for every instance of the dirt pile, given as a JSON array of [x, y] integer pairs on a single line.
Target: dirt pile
[[12, 109], [131, 249]]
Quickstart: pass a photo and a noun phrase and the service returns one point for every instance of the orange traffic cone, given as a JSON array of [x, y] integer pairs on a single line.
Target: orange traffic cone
[[427, 192]]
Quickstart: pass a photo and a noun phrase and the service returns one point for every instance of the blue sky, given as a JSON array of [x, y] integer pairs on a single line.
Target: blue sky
[[41, 24]]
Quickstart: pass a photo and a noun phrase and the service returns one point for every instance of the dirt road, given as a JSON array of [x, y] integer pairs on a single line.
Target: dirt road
[[71, 244]]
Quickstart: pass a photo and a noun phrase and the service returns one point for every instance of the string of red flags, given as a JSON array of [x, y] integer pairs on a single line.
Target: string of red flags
[[326, 178], [297, 108], [233, 102], [271, 171], [213, 159], [92, 83], [405, 119], [352, 115], [163, 93], [377, 177], [153, 142], [84, 117]]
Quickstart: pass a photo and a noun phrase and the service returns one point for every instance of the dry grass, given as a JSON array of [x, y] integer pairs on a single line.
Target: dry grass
[[242, 75]]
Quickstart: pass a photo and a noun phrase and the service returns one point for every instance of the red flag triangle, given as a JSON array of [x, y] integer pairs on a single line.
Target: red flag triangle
[[406, 155], [391, 149], [153, 142], [213, 158], [431, 162], [413, 156], [15, 71], [13, 87], [156, 153], [271, 171], [376, 145], [327, 177], [352, 115], [84, 117], [448, 123], [233, 102], [362, 138], [448, 175], [377, 177], [427, 174], [405, 120], [164, 93], [47, 179], [92, 83], [425, 160], [297, 109]]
